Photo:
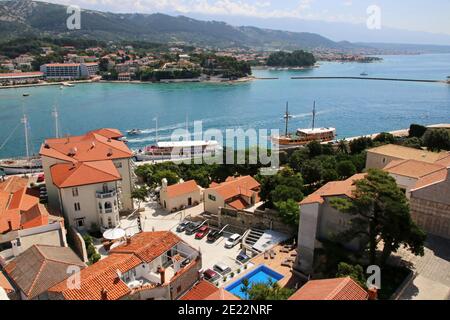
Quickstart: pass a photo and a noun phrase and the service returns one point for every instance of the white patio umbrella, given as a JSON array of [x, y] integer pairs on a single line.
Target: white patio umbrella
[[114, 234]]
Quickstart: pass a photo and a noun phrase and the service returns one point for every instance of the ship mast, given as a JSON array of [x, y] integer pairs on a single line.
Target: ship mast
[[25, 124], [314, 116], [156, 120], [287, 116], [55, 115]]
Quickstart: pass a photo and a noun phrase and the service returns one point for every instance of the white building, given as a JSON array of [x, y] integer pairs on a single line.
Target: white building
[[89, 178], [69, 71]]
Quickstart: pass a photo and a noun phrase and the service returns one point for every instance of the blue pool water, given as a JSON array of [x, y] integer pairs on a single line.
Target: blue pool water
[[261, 274]]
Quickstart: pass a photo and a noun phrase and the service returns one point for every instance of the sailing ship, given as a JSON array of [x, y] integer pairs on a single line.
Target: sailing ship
[[303, 136], [22, 165]]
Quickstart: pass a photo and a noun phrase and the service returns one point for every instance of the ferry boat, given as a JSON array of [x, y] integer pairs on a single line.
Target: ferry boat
[[178, 150], [303, 136]]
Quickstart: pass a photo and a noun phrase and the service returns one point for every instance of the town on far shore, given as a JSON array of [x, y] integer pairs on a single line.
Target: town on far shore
[[366, 218], [41, 62]]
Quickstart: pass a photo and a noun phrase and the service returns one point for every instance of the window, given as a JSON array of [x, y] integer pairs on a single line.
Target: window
[[211, 197], [110, 225], [79, 222], [75, 192], [77, 206], [118, 165]]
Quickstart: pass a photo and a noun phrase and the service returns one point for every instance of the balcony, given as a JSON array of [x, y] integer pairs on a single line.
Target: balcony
[[106, 195]]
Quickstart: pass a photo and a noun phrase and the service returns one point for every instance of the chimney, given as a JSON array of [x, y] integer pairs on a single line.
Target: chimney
[[104, 294], [373, 293], [162, 273], [164, 184], [110, 152]]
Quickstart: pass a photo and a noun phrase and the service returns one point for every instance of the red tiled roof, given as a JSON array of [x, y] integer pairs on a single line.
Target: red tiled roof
[[179, 189], [205, 290], [19, 209], [109, 133], [41, 267], [238, 204], [67, 175], [149, 245], [233, 187], [5, 284], [21, 74], [334, 188], [331, 289], [103, 276], [413, 168], [94, 146]]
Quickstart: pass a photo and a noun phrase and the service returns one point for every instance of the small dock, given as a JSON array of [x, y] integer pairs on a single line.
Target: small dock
[[370, 78]]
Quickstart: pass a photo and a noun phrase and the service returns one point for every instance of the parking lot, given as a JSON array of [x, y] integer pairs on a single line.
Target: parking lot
[[155, 219]]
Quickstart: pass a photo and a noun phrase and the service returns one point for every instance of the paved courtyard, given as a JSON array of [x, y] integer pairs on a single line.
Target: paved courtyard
[[432, 278], [154, 218]]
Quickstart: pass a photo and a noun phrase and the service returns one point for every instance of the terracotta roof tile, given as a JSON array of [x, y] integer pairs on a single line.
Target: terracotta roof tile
[[179, 189], [406, 153], [67, 175], [234, 187], [205, 290], [96, 145], [331, 289], [5, 284], [413, 168], [334, 188], [41, 267]]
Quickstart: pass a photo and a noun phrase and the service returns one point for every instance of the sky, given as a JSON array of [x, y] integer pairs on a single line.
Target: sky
[[413, 15]]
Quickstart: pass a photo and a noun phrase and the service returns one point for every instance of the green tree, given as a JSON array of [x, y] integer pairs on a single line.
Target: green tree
[[360, 144], [288, 211], [345, 169], [356, 272], [283, 186], [437, 139], [297, 158], [171, 176], [384, 138], [270, 291], [413, 142], [312, 171], [417, 131], [140, 194], [343, 147], [380, 210], [315, 149]]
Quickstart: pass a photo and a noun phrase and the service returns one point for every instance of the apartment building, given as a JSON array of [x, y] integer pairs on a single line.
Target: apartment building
[[69, 71], [89, 178], [147, 266]]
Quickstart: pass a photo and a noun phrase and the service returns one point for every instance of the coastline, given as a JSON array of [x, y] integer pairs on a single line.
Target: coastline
[[169, 81]]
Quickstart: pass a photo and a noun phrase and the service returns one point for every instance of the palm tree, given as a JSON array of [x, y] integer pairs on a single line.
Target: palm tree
[[245, 287]]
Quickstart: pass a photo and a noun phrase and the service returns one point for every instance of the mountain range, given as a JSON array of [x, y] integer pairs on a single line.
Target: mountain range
[[22, 18]]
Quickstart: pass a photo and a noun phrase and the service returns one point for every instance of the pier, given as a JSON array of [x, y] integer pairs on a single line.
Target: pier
[[370, 78]]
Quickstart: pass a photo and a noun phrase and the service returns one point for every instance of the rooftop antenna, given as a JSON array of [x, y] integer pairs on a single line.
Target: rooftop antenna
[[287, 116], [314, 115]]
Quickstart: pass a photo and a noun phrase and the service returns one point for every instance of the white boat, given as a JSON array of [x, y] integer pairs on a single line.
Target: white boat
[[178, 150], [21, 166], [364, 74], [134, 132], [67, 84]]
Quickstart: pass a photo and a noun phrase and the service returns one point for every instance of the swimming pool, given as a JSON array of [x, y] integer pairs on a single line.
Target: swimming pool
[[260, 274]]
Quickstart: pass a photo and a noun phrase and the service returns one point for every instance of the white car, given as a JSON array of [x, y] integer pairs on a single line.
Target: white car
[[233, 240]]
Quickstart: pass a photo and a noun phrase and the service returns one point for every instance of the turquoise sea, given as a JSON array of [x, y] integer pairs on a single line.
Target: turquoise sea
[[354, 107]]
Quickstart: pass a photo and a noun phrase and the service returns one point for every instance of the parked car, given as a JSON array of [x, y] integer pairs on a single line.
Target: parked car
[[192, 227], [222, 268], [213, 236], [182, 226], [242, 257], [202, 232], [210, 275], [232, 240], [41, 178]]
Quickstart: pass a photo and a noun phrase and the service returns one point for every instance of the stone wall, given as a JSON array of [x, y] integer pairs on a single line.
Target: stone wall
[[266, 219], [77, 243], [432, 217]]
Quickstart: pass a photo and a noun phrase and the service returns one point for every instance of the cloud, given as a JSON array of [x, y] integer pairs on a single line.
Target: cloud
[[303, 9]]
